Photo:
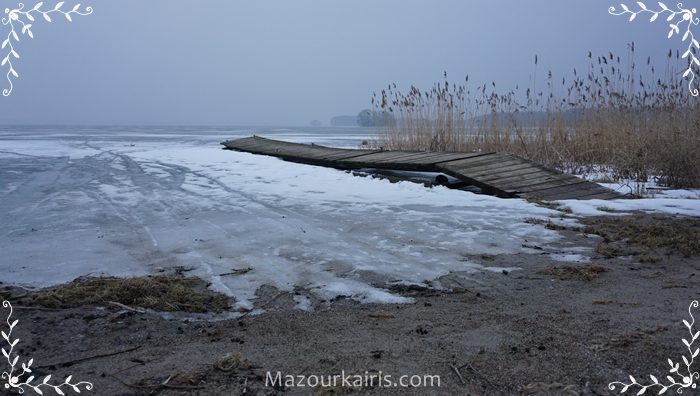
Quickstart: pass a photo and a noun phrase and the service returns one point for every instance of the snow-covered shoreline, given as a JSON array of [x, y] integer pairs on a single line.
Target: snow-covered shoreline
[[112, 205]]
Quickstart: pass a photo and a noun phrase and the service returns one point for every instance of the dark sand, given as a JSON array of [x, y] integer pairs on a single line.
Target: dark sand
[[524, 332]]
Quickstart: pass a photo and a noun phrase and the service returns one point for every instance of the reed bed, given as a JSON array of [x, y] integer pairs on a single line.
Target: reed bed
[[612, 119]]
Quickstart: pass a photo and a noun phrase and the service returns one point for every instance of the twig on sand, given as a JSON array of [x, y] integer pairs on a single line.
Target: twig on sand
[[381, 315], [456, 370], [268, 302], [127, 368], [240, 271], [79, 360], [467, 364], [155, 388], [263, 305], [128, 308]]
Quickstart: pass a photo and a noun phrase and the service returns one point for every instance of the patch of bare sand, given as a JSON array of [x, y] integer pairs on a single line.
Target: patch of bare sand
[[522, 332]]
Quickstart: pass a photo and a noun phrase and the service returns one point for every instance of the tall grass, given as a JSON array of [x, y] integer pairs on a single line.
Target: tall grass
[[634, 124]]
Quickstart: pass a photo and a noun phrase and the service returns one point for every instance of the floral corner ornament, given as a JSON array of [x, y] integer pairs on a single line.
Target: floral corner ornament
[[20, 19], [684, 18], [687, 378], [17, 380]]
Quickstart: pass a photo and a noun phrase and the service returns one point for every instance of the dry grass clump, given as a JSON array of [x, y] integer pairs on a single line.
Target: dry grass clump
[[649, 258], [626, 235], [640, 336], [161, 293], [231, 362], [585, 273], [631, 124], [550, 225], [611, 250]]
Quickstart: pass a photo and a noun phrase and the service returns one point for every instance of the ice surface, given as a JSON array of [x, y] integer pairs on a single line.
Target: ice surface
[[136, 201]]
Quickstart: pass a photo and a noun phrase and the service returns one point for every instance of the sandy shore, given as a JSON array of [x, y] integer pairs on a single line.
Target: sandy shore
[[539, 330]]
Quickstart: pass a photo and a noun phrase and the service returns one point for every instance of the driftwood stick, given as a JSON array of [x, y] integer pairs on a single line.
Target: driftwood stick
[[479, 374], [240, 271], [79, 360], [263, 305], [127, 368], [128, 308], [456, 370], [154, 388]]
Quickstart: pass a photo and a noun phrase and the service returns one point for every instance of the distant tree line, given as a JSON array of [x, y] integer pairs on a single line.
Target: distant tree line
[[365, 118], [370, 118]]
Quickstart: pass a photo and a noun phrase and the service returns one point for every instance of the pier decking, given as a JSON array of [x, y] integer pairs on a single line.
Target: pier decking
[[499, 174]]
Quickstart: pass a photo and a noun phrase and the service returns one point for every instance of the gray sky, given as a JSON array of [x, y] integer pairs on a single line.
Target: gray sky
[[287, 62]]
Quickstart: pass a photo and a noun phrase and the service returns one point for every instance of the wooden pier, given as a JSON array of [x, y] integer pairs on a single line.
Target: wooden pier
[[503, 175]]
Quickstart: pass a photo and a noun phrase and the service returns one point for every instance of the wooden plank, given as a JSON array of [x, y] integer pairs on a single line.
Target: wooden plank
[[540, 183], [585, 195], [555, 192], [309, 151], [272, 146], [317, 155], [262, 142], [589, 191], [247, 145], [491, 167], [605, 190], [484, 159], [424, 161], [262, 147], [507, 179], [344, 155], [238, 141], [418, 167], [487, 188], [544, 186], [301, 155], [326, 155], [535, 182], [463, 169], [378, 157], [405, 156], [521, 167], [513, 181], [442, 157], [385, 156], [602, 195], [512, 174]]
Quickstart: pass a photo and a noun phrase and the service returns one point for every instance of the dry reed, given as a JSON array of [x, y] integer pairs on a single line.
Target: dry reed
[[628, 124]]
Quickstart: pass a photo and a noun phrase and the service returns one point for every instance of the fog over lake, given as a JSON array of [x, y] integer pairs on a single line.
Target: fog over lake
[[270, 62]]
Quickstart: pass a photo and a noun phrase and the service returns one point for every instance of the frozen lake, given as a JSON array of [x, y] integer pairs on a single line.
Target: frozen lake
[[131, 201]]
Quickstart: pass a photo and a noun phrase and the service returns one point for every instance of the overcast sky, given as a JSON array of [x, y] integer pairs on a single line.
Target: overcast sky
[[287, 62]]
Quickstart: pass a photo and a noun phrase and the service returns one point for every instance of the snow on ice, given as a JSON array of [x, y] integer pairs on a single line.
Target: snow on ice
[[133, 202]]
